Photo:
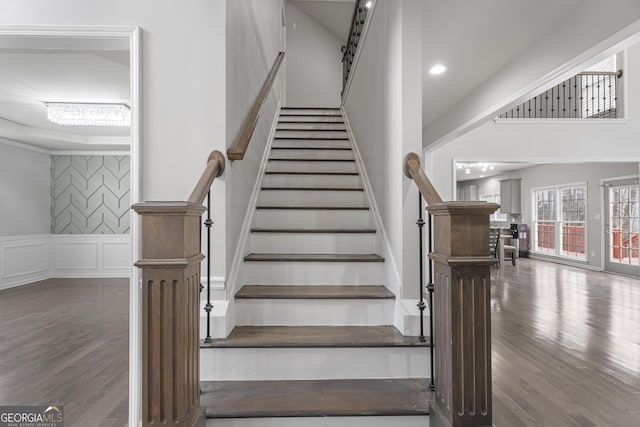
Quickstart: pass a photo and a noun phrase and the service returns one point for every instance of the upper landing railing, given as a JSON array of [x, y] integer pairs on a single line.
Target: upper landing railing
[[588, 95], [461, 281], [360, 11]]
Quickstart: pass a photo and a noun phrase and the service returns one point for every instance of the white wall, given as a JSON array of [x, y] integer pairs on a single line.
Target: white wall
[[384, 111], [182, 83], [314, 67], [551, 141], [559, 174], [593, 29], [253, 41], [24, 191]]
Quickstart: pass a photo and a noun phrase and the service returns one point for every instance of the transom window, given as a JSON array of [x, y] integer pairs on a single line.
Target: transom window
[[559, 221]]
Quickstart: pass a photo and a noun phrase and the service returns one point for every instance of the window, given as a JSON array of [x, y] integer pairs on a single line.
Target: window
[[559, 221], [497, 216]]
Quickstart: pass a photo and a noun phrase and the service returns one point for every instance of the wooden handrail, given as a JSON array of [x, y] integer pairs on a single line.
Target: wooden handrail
[[214, 169], [618, 73], [412, 170], [240, 148]]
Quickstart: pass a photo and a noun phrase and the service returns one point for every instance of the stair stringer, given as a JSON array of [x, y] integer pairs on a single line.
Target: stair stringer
[[405, 319], [224, 319]]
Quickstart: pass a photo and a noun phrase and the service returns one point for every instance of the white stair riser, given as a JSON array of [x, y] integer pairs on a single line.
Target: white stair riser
[[278, 218], [312, 126], [339, 181], [314, 273], [303, 166], [311, 111], [309, 243], [312, 154], [300, 312], [373, 421], [263, 364], [322, 143], [311, 198], [307, 118]]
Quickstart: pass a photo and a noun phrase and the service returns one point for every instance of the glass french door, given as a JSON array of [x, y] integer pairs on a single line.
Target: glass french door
[[622, 226]]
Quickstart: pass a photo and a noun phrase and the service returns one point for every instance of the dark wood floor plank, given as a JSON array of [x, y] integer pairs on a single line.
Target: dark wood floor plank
[[316, 230], [225, 399], [314, 257], [314, 292], [315, 336], [566, 346], [65, 342]]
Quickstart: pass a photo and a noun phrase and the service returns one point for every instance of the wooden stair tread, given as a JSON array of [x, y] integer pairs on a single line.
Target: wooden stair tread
[[314, 257], [317, 208], [311, 122], [315, 398], [312, 188], [313, 138], [302, 147], [314, 292], [311, 108], [316, 230], [298, 159], [312, 173], [314, 337]]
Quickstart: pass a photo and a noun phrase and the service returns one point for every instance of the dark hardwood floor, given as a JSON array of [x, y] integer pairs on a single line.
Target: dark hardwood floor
[[566, 347], [65, 342]]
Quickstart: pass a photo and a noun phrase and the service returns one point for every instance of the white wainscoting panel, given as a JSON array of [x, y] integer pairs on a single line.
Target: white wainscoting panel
[[23, 259], [91, 255], [28, 259]]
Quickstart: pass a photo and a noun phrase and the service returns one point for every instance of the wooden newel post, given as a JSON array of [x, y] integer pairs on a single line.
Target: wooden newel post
[[170, 313], [462, 315]]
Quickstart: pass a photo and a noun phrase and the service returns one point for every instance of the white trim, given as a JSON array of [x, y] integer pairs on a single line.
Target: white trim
[[132, 34], [627, 36], [22, 145], [217, 283], [356, 57], [89, 153], [564, 261], [25, 146], [386, 243], [238, 257], [561, 121]]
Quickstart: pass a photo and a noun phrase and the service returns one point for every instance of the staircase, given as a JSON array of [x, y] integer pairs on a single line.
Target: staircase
[[314, 343]]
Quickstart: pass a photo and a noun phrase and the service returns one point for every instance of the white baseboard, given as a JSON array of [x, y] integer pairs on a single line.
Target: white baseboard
[[27, 259], [563, 261]]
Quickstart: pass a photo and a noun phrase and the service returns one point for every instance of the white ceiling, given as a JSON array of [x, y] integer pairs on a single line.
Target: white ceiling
[[34, 71], [475, 39], [491, 169]]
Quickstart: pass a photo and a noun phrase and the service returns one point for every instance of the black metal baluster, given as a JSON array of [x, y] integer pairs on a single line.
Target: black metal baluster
[[421, 305], [208, 223], [430, 288]]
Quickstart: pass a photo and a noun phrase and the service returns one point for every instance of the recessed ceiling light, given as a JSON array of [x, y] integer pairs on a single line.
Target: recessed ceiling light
[[481, 176], [491, 167], [367, 5], [437, 69], [467, 171]]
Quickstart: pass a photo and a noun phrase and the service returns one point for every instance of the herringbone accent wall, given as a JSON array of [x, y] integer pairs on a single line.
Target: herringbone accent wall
[[90, 194]]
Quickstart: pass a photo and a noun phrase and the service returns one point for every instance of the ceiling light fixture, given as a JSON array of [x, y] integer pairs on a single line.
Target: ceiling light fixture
[[467, 171], [88, 114], [437, 69], [367, 5]]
